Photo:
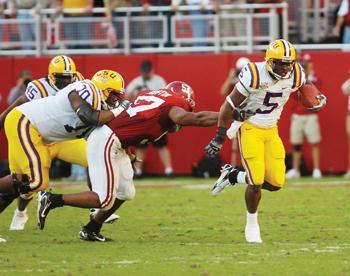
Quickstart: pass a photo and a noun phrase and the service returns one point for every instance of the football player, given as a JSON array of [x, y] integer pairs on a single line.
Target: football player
[[257, 102], [61, 72], [73, 113], [152, 114]]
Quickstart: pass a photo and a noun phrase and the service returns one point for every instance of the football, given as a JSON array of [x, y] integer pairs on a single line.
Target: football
[[308, 95]]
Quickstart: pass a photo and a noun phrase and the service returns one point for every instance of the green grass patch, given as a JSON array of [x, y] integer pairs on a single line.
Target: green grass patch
[[175, 227]]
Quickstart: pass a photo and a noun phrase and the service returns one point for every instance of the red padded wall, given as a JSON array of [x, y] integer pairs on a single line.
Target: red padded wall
[[205, 73]]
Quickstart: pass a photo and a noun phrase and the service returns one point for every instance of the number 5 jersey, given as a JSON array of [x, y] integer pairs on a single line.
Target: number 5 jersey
[[266, 95]]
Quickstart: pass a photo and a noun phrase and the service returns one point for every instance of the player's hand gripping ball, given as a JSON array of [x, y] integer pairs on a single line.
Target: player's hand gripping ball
[[311, 98]]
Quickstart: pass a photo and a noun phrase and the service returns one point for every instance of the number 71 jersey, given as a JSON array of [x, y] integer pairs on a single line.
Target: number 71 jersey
[[265, 95]]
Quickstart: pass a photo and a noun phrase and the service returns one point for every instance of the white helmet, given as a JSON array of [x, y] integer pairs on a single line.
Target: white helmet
[[241, 62]]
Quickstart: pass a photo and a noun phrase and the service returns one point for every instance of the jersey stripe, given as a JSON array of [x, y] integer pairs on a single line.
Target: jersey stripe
[[23, 130], [255, 79], [41, 88], [109, 171], [95, 96], [297, 76], [244, 162]]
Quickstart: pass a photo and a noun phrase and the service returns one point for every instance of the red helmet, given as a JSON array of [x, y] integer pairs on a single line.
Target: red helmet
[[183, 90]]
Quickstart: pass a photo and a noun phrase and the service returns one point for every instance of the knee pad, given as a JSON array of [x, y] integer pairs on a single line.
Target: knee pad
[[297, 147]]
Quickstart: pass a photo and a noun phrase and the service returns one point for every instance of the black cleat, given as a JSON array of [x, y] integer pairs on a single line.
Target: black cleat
[[44, 207], [87, 235]]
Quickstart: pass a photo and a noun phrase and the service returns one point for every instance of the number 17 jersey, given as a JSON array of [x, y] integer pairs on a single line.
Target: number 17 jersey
[[147, 118]]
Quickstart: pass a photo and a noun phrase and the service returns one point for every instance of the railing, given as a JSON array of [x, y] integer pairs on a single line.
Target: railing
[[238, 27], [234, 28]]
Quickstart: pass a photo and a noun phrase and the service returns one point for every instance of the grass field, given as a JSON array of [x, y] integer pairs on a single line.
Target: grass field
[[177, 228]]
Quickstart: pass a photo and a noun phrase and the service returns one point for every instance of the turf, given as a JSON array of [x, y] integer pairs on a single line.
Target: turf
[[177, 228]]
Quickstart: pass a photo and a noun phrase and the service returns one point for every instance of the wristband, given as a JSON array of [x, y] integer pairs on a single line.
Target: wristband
[[116, 111]]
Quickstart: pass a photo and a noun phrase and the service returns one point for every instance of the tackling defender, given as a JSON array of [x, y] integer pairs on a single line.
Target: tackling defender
[[149, 117], [263, 89], [73, 113]]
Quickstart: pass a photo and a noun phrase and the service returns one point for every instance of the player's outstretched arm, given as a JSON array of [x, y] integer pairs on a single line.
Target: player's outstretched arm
[[203, 118], [21, 100], [90, 116], [233, 100]]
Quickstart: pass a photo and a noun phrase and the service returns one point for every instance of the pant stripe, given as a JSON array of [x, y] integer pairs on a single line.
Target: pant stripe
[[244, 162], [109, 170], [36, 178]]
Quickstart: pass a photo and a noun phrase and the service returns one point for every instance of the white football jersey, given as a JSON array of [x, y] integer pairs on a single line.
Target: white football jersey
[[265, 95], [55, 118], [41, 88], [38, 89]]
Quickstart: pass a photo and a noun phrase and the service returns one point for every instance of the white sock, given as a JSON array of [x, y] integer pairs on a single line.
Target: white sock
[[252, 218], [168, 170], [241, 177], [21, 212]]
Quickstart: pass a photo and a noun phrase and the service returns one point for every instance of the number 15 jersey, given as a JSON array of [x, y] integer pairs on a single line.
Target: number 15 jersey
[[54, 116], [265, 95]]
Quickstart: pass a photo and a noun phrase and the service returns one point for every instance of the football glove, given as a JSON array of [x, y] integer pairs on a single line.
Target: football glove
[[215, 144], [123, 105], [322, 102], [242, 115]]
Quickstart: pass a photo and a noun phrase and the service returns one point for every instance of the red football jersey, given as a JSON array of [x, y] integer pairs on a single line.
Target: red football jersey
[[147, 118]]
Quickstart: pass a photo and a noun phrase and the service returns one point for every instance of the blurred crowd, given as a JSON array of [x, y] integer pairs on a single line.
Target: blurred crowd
[[78, 26]]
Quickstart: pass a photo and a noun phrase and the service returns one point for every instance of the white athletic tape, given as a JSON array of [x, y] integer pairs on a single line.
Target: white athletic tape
[[232, 131]]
